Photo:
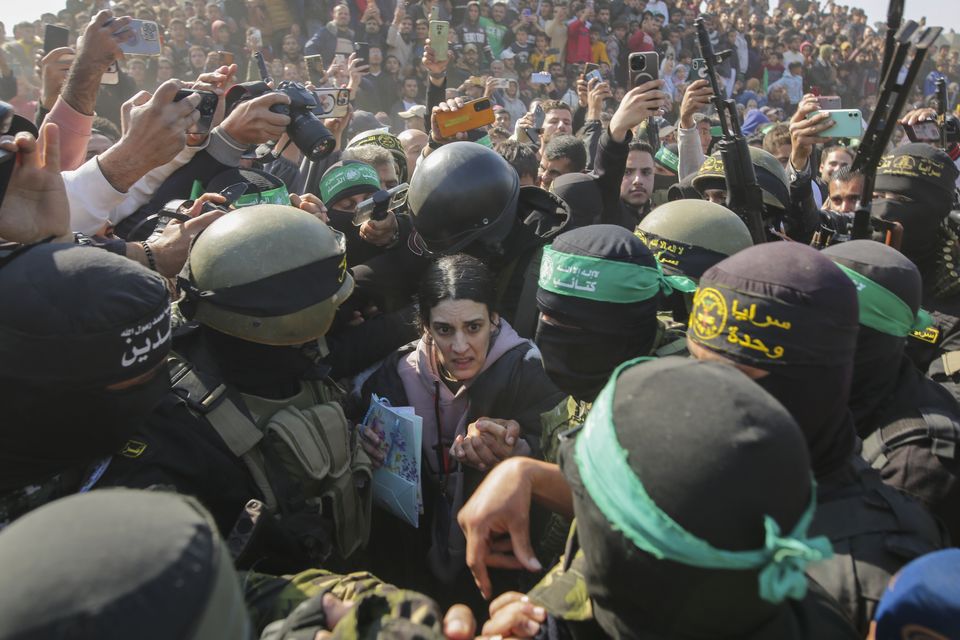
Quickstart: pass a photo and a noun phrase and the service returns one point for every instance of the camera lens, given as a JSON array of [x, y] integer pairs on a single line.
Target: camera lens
[[311, 137]]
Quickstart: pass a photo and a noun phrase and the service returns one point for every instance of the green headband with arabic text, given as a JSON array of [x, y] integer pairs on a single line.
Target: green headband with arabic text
[[604, 280]]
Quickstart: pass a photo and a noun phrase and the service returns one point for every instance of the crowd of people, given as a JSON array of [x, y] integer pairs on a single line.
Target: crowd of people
[[652, 398]]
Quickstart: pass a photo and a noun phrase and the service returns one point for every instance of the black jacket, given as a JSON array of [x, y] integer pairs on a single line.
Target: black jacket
[[514, 387], [543, 216]]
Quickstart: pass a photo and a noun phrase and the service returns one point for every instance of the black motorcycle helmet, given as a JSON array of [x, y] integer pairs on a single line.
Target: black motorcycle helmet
[[461, 192]]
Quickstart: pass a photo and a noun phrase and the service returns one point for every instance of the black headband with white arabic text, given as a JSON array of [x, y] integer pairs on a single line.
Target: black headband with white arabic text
[[107, 357]]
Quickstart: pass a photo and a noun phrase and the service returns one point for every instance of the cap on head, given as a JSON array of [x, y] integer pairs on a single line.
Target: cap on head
[[383, 138], [921, 599], [267, 274], [262, 187]]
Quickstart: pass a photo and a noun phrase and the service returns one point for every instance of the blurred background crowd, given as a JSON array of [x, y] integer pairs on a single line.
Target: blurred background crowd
[[515, 51]]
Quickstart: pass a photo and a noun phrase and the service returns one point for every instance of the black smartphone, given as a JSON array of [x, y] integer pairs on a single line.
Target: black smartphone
[[923, 132], [644, 67], [315, 69], [590, 66], [55, 37], [207, 107], [363, 52], [533, 133]]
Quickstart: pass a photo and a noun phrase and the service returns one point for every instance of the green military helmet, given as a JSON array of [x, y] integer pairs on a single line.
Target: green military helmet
[[690, 236], [771, 177], [269, 274]]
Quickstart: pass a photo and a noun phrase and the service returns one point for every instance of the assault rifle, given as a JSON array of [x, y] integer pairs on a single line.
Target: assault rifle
[[942, 111], [743, 192], [893, 97]]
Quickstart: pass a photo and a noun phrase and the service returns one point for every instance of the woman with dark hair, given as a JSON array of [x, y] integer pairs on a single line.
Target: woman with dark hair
[[480, 389]]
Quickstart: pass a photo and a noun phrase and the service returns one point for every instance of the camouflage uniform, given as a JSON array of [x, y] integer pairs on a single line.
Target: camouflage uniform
[[273, 599], [563, 593]]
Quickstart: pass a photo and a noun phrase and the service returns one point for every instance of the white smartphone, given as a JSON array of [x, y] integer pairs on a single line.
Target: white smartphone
[[145, 40]]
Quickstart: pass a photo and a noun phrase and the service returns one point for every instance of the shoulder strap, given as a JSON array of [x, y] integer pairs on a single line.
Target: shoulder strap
[[934, 425], [208, 397]]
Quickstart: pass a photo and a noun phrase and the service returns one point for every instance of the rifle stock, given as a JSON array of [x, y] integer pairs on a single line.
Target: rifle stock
[[744, 196]]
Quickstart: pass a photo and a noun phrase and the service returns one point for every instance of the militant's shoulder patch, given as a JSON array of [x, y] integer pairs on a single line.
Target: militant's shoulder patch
[[929, 334]]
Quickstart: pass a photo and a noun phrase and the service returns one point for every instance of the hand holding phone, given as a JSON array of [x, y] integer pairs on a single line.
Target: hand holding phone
[[55, 37], [923, 132], [144, 39], [472, 115], [207, 108], [363, 53], [829, 103], [439, 35], [849, 123], [332, 102], [533, 133], [643, 67]]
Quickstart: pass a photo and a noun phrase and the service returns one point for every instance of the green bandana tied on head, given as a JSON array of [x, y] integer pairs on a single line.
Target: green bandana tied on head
[[667, 158], [352, 176], [623, 500], [603, 280], [277, 195], [883, 310]]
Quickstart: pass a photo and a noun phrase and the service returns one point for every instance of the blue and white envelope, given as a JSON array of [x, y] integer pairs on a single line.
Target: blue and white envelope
[[396, 484]]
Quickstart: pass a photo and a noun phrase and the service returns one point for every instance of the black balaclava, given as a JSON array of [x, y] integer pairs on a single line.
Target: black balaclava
[[786, 309], [582, 194], [78, 320], [343, 180], [717, 477], [116, 563], [927, 176], [579, 359], [879, 356], [262, 370]]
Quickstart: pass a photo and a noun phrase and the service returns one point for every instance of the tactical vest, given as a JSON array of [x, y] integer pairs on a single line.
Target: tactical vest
[[301, 453], [874, 530]]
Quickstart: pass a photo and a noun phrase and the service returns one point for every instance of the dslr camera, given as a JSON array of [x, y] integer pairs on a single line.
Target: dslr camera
[[305, 129]]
